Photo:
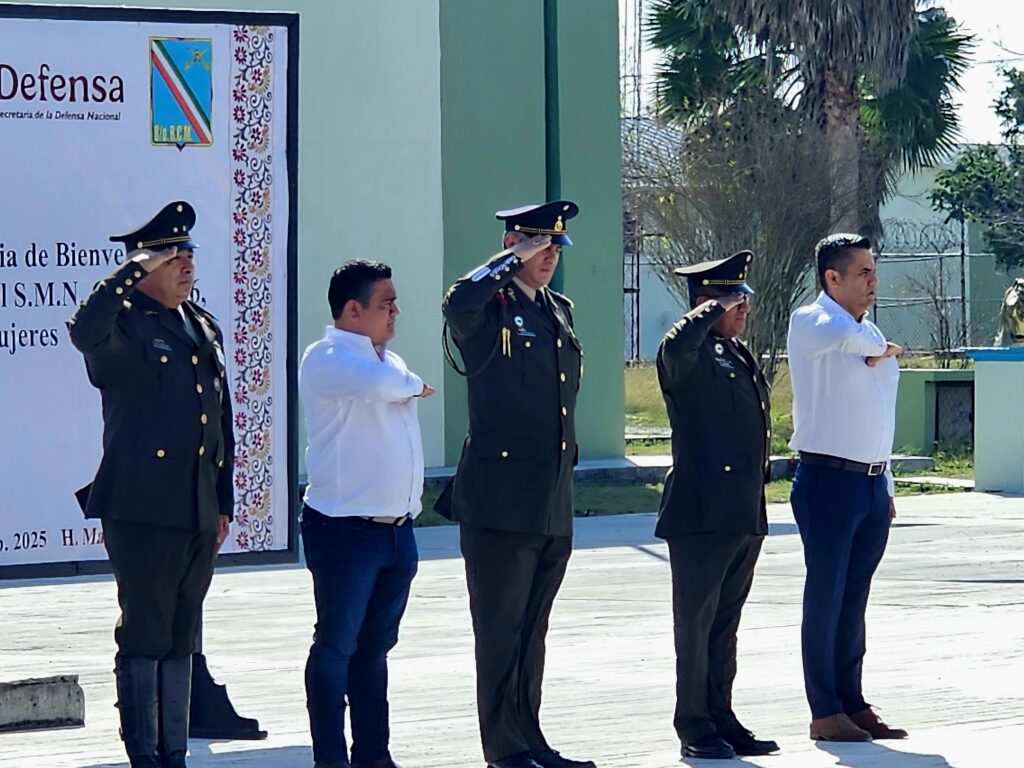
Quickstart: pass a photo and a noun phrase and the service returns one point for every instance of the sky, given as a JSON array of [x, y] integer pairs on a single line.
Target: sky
[[994, 23]]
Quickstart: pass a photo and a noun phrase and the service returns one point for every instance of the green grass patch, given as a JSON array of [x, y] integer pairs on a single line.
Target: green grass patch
[[645, 408], [644, 404], [599, 500]]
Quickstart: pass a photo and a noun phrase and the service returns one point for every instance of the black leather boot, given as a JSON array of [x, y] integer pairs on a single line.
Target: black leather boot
[[136, 678], [212, 715], [175, 684]]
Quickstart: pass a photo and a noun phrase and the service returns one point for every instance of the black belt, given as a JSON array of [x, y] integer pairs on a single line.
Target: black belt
[[835, 462], [388, 519]]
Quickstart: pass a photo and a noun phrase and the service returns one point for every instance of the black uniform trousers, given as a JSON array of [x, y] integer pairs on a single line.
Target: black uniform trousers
[[711, 578], [162, 574], [513, 579]]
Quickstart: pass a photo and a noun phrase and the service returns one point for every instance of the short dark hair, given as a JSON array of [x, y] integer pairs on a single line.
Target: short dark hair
[[835, 252], [355, 280]]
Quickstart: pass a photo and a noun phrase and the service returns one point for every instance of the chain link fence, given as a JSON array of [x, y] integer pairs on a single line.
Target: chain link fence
[[934, 296]]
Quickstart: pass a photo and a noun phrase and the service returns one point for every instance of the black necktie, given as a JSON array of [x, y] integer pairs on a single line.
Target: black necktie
[[539, 298]]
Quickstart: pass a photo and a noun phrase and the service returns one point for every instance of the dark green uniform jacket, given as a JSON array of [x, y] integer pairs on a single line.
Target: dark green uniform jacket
[[168, 446], [717, 400], [524, 363]]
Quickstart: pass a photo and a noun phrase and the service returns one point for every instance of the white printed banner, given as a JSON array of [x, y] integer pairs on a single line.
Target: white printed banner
[[102, 123]]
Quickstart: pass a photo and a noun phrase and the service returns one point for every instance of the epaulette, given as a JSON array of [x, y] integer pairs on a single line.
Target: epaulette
[[562, 298], [203, 311]]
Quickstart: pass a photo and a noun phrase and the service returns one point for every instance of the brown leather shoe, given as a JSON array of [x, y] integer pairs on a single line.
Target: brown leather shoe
[[872, 723], [837, 728]]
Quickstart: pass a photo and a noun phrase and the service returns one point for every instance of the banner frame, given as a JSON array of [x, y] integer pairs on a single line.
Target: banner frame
[[290, 22]]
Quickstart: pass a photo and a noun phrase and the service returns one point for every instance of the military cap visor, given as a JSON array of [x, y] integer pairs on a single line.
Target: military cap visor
[[547, 219], [171, 227], [722, 276]]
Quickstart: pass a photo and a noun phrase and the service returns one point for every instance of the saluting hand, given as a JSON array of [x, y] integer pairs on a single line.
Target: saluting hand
[[891, 350], [732, 300], [150, 260], [427, 391], [527, 249]]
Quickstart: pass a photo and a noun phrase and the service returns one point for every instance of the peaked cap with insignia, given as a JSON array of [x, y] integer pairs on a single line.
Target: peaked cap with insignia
[[546, 219], [721, 276], [169, 228]]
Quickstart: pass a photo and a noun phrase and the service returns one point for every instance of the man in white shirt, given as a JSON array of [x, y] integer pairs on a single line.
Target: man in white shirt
[[365, 466], [844, 375]]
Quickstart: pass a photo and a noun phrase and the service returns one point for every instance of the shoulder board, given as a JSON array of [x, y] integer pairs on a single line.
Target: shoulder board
[[562, 298]]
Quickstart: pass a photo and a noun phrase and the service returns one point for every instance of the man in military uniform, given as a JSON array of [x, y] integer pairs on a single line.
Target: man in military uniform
[[713, 506], [163, 489], [512, 492]]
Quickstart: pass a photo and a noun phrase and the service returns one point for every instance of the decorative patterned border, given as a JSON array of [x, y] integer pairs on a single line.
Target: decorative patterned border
[[252, 114]]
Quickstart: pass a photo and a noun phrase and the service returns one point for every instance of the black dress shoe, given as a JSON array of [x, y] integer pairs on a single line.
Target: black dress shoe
[[522, 760], [743, 743], [709, 747], [549, 758]]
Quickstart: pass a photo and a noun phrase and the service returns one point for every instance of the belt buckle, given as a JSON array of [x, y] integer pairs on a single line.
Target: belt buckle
[[874, 470]]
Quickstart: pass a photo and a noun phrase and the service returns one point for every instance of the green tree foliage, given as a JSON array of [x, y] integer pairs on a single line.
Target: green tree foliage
[[878, 85], [986, 184]]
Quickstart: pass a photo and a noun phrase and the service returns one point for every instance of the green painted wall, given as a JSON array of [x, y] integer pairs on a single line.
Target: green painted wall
[[915, 407], [493, 156], [492, 142], [588, 58]]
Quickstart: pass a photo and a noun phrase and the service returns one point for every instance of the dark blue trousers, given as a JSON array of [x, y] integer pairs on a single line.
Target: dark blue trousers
[[844, 523], [362, 572]]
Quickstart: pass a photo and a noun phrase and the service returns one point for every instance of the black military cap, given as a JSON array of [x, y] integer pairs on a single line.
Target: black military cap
[[547, 219], [171, 227], [723, 276]]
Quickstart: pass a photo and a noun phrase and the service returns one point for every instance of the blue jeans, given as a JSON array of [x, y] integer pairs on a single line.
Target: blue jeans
[[844, 523], [362, 572]]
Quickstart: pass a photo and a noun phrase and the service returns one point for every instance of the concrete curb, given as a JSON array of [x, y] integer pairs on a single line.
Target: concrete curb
[[641, 470], [48, 702]]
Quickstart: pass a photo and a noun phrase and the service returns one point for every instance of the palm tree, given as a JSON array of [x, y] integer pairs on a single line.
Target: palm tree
[[876, 76]]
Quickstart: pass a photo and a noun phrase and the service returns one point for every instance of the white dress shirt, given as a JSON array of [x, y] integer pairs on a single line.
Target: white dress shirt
[[365, 452], [841, 406]]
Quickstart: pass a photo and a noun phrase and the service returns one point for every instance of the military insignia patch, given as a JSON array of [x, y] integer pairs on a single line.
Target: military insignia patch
[[719, 349], [518, 321], [181, 91]]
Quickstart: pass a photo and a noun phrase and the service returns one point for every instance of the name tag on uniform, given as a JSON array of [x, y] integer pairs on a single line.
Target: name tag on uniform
[[724, 363], [162, 345]]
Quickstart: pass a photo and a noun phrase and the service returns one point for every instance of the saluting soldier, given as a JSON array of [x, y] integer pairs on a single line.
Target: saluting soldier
[[713, 506], [163, 489], [512, 492]]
